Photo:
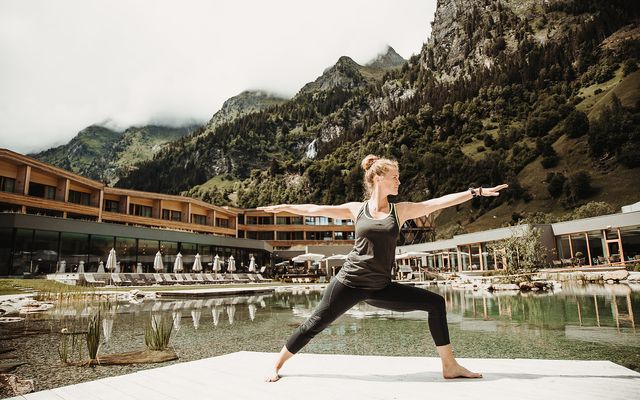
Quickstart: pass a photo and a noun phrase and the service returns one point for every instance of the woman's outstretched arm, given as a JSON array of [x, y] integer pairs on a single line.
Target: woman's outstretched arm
[[409, 210], [342, 211]]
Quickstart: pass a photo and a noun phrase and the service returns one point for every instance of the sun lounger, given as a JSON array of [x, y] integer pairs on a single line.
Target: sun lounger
[[223, 279], [238, 279], [170, 280], [199, 278], [263, 279], [90, 280], [210, 278], [188, 279], [137, 279], [252, 278], [118, 280], [157, 280]]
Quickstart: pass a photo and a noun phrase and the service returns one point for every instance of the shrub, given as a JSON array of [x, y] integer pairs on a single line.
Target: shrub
[[576, 124], [550, 161], [158, 332], [555, 184], [578, 186]]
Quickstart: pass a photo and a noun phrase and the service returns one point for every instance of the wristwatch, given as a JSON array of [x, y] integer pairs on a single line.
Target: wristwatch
[[476, 192]]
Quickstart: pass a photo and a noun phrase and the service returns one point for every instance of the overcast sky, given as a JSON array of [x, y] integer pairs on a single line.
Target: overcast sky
[[67, 64]]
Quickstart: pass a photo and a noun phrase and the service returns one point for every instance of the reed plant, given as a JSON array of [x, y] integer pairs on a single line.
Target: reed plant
[[157, 333], [93, 337]]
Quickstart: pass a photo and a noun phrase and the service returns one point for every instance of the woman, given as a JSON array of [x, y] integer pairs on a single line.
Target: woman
[[366, 274]]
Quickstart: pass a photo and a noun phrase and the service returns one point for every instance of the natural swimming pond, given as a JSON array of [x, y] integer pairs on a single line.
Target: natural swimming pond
[[577, 322]]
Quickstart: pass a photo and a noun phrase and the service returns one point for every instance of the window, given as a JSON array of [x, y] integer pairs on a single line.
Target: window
[[290, 235], [7, 184], [317, 220], [42, 191], [79, 197], [140, 210], [171, 215], [112, 205], [223, 223], [326, 235], [198, 219], [268, 235]]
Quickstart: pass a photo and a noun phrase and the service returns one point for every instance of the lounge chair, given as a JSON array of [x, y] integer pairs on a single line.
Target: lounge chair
[[178, 278], [188, 279], [223, 279], [170, 280], [199, 278], [238, 279], [263, 279], [137, 279], [90, 280], [252, 278], [157, 280], [210, 278], [119, 281]]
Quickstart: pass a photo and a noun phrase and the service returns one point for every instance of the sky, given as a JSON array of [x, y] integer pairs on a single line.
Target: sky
[[68, 64]]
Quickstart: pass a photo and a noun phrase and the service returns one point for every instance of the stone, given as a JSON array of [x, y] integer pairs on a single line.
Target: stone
[[617, 275], [10, 385]]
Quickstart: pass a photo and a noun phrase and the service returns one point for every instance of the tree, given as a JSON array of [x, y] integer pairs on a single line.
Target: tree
[[576, 124], [523, 250], [555, 184], [578, 187]]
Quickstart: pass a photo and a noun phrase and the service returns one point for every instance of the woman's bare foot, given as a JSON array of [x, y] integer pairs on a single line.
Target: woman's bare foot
[[458, 371], [273, 378]]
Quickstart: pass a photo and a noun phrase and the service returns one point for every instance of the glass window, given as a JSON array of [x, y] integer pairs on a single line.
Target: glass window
[[79, 197], [140, 210], [126, 254], [99, 249], [564, 250], [579, 243], [290, 235], [6, 238], [169, 251], [596, 247], [198, 219], [42, 191], [21, 260], [74, 247], [147, 250], [112, 205], [7, 184], [631, 242], [188, 251], [45, 251], [6, 207], [223, 223]]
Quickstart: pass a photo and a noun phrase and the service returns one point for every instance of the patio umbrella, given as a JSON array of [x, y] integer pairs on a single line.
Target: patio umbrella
[[101, 267], [333, 257], [178, 266], [252, 311], [111, 261], [107, 328], [197, 264], [412, 254], [177, 317], [139, 268], [216, 264], [231, 312], [81, 267], [195, 316], [158, 265], [252, 264], [232, 265], [215, 313], [62, 266]]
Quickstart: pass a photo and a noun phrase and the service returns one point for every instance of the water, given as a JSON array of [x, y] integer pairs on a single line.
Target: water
[[579, 322]]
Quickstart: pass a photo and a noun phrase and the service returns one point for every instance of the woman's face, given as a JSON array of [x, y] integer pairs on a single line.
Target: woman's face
[[389, 181]]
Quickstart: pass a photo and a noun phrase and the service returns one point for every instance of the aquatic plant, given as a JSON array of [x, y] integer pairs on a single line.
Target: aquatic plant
[[157, 333], [93, 337]]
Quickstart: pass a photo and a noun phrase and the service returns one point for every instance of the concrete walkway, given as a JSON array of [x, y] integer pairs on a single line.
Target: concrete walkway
[[312, 376]]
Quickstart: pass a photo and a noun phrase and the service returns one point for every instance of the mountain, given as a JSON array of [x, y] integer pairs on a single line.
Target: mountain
[[247, 102], [347, 74], [104, 154], [540, 95]]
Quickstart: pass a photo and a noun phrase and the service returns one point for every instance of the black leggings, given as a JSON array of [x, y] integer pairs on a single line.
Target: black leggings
[[338, 298]]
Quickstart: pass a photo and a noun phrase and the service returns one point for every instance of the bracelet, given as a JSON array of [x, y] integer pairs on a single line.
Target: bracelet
[[476, 192]]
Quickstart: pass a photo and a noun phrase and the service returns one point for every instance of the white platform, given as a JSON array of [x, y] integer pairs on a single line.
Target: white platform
[[327, 377]]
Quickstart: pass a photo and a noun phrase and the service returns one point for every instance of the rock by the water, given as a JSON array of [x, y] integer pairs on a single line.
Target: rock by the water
[[10, 385]]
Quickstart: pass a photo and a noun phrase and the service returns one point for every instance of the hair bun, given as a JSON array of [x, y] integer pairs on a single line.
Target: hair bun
[[368, 161]]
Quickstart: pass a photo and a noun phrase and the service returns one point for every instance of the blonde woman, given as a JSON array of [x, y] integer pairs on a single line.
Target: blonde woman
[[366, 273]]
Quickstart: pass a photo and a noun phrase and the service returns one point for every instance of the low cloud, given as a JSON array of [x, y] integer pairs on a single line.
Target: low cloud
[[69, 64]]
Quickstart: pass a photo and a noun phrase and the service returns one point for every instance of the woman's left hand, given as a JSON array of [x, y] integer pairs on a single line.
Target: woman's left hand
[[494, 191]]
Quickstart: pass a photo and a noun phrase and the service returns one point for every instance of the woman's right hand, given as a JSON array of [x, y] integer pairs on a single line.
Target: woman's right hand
[[273, 209]]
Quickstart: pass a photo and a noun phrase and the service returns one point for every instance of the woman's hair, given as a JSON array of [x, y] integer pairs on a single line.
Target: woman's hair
[[373, 166]]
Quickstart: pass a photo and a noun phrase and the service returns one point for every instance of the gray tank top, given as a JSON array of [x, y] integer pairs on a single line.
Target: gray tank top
[[369, 264]]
